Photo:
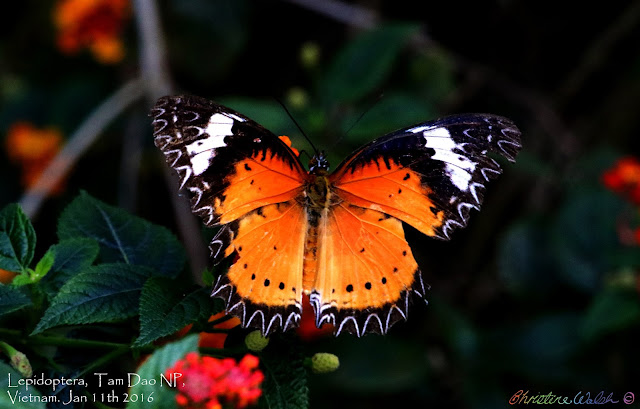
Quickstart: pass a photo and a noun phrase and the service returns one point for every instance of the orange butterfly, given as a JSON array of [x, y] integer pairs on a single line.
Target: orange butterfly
[[336, 237]]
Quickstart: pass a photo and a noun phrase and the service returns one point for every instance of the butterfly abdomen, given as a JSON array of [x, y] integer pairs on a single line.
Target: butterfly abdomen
[[318, 198]]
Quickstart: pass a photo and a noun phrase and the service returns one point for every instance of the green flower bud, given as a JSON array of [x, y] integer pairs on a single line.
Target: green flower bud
[[324, 362], [19, 361], [255, 341]]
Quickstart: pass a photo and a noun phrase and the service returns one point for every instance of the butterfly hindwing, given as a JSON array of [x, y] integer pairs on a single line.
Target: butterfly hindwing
[[366, 271], [264, 285]]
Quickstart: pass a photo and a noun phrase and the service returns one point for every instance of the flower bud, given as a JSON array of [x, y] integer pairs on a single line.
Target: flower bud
[[324, 362], [255, 341], [19, 361]]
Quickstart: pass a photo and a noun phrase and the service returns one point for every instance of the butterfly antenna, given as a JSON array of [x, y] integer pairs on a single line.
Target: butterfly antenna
[[366, 111], [298, 126]]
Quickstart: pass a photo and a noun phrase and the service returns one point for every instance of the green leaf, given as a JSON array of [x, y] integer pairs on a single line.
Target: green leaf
[[44, 265], [121, 236], [285, 384], [34, 276], [531, 348], [74, 255], [17, 239], [364, 63], [23, 279], [393, 111], [103, 293], [612, 310], [164, 309], [525, 265], [71, 257], [12, 299], [163, 397], [585, 237], [9, 389]]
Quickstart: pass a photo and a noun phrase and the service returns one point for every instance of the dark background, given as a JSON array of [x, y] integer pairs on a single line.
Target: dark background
[[538, 293]]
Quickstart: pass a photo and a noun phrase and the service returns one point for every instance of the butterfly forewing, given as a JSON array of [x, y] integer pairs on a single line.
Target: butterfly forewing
[[429, 175], [229, 164]]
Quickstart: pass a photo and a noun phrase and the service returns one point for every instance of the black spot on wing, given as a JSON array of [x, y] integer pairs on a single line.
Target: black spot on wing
[[371, 320]]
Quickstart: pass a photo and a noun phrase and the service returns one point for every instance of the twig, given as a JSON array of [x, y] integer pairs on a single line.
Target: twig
[[152, 50], [353, 15], [597, 53], [78, 143], [157, 83]]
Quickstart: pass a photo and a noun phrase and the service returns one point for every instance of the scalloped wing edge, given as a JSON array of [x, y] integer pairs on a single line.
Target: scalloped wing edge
[[372, 320]]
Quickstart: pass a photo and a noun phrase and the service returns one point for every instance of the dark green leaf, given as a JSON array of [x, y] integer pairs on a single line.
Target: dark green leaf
[[74, 255], [525, 265], [585, 237], [71, 257], [533, 347], [393, 111], [267, 113], [163, 396], [610, 311], [285, 384], [17, 239], [121, 236], [364, 63], [12, 299], [102, 293], [10, 377], [164, 309]]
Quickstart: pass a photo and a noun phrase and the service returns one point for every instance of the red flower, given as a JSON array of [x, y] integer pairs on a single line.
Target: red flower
[[93, 24], [209, 382], [624, 178], [307, 329]]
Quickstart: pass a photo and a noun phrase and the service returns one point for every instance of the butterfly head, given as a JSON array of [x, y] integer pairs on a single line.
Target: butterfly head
[[319, 164]]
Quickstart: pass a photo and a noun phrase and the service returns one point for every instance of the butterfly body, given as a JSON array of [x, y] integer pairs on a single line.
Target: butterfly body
[[335, 237]]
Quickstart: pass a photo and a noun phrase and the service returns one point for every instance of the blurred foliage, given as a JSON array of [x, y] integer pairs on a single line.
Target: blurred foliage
[[539, 293]]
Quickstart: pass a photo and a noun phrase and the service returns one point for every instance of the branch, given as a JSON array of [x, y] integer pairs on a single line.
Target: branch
[[157, 82], [85, 135], [353, 15]]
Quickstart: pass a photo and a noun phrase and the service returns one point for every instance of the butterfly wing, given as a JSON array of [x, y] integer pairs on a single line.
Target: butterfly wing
[[243, 177], [429, 176]]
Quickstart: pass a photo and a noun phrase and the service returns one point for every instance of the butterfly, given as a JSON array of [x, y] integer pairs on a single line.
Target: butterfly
[[335, 237]]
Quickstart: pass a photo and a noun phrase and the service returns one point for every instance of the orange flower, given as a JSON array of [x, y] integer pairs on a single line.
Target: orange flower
[[624, 178], [209, 382], [93, 24], [287, 141], [32, 149], [6, 277]]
